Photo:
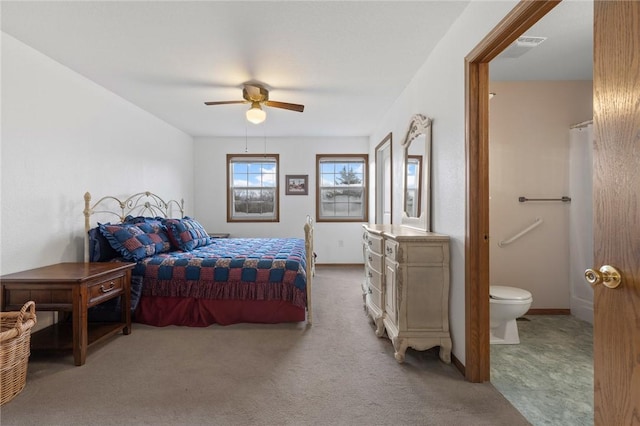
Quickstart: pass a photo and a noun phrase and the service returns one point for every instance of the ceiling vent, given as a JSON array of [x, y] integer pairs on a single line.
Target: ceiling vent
[[521, 46]]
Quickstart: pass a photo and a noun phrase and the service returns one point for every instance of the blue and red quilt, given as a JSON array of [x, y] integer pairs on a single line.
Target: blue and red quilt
[[230, 268]]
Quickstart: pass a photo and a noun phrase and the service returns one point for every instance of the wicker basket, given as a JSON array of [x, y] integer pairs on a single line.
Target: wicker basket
[[15, 337]]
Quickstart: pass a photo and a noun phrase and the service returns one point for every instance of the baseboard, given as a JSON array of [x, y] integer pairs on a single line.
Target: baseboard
[[548, 311], [582, 309], [456, 363], [341, 265]]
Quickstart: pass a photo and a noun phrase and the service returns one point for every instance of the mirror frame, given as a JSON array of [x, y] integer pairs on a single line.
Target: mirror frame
[[387, 142], [419, 125]]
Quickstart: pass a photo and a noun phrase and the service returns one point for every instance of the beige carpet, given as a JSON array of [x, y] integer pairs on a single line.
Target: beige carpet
[[336, 372]]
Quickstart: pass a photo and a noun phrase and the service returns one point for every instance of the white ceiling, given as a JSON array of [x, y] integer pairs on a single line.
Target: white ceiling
[[566, 54], [347, 62]]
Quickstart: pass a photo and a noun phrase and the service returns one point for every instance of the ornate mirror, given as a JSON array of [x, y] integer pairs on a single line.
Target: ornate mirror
[[417, 174]]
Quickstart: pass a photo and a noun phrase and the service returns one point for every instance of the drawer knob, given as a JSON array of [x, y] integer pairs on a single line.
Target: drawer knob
[[370, 274], [370, 258], [370, 291], [107, 289], [389, 250]]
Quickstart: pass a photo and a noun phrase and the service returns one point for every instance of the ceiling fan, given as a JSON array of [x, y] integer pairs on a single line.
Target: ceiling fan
[[257, 96]]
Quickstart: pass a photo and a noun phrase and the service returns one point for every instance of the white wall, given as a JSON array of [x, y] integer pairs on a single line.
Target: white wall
[[63, 135], [437, 91], [333, 242], [529, 156]]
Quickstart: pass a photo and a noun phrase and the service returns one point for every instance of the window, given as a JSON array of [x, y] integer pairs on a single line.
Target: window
[[252, 183], [341, 195]]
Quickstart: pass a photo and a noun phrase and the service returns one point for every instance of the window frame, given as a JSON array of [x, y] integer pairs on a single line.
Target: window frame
[[364, 158], [230, 188]]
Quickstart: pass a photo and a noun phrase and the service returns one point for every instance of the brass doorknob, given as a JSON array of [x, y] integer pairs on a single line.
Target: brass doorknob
[[607, 275]]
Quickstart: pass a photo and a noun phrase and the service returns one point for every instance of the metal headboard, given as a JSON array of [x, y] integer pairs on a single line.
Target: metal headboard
[[140, 204]]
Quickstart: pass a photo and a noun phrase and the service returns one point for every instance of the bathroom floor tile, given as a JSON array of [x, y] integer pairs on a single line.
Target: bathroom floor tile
[[548, 377]]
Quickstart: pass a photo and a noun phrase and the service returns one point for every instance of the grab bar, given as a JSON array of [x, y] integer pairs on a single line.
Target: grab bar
[[521, 233], [564, 199]]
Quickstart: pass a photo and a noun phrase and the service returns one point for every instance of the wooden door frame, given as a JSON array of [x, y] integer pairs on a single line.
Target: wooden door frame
[[524, 15]]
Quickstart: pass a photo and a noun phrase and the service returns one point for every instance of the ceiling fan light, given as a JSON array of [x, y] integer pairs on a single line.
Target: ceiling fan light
[[255, 114]]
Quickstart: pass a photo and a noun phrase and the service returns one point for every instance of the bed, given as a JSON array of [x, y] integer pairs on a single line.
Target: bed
[[183, 276]]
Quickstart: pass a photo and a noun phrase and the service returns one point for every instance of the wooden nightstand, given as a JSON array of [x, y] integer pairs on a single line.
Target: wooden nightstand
[[71, 288], [219, 235]]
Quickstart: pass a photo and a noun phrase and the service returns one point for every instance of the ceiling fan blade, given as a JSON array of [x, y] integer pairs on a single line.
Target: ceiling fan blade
[[284, 105], [225, 102]]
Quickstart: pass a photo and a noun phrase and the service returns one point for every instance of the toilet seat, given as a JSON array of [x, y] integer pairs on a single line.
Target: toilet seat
[[499, 292]]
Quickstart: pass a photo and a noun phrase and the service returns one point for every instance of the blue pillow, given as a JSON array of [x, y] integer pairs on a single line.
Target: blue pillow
[[100, 249], [187, 233], [135, 242], [144, 219]]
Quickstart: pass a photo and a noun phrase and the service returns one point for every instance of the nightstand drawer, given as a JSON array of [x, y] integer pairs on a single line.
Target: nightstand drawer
[[105, 290], [55, 299]]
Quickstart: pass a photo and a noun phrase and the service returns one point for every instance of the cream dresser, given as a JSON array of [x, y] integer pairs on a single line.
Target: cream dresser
[[372, 285], [406, 287]]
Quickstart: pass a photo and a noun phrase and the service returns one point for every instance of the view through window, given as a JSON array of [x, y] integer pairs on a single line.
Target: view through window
[[253, 187], [342, 188]]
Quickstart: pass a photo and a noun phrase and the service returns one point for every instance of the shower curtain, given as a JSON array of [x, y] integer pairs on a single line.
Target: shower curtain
[[581, 218]]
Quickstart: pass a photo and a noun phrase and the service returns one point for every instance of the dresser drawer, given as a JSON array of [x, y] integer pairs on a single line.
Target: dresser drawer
[[374, 242], [105, 290], [391, 250], [374, 260], [427, 253], [374, 297], [374, 278]]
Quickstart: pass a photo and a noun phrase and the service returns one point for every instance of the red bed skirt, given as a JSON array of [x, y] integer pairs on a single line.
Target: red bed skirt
[[191, 312]]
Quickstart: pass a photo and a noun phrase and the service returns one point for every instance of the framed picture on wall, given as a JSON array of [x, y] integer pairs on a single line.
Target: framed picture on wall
[[297, 184]]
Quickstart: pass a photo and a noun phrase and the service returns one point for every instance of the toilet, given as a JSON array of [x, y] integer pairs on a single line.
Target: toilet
[[505, 305]]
